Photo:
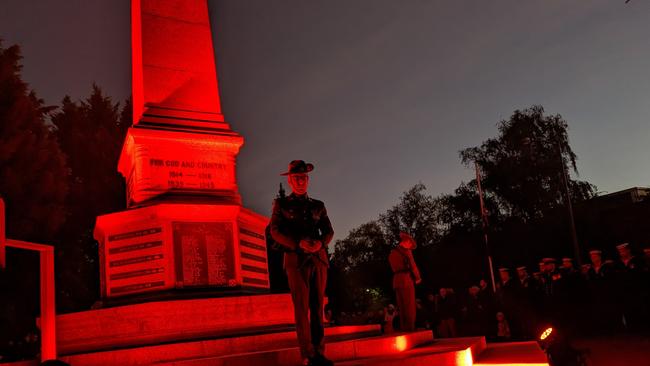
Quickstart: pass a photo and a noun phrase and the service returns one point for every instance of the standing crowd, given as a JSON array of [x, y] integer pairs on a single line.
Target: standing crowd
[[601, 297]]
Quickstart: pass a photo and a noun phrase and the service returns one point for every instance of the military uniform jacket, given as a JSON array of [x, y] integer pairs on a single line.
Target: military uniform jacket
[[300, 217], [405, 271]]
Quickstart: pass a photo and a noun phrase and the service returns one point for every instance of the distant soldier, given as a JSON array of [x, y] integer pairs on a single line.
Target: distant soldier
[[551, 291], [600, 277], [570, 281], [530, 286], [551, 276], [629, 261], [508, 297], [567, 266], [405, 276], [487, 300], [524, 277], [474, 314], [542, 267], [528, 302], [571, 296], [300, 223], [630, 286], [509, 289], [447, 309], [599, 269]]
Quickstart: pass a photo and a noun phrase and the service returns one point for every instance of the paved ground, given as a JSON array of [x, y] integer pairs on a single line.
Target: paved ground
[[626, 350]]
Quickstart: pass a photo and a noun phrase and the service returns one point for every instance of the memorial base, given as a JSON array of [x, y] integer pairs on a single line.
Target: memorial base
[[170, 321], [188, 248]]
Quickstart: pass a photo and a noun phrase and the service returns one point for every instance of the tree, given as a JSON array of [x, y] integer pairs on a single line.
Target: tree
[[33, 183], [522, 167], [416, 213], [363, 244], [91, 133], [360, 261], [33, 171]]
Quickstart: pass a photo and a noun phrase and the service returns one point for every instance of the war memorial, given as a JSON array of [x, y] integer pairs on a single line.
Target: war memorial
[[183, 271]]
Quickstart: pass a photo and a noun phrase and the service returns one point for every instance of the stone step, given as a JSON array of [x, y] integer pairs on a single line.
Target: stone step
[[336, 349], [169, 321], [205, 348], [520, 353], [444, 352]]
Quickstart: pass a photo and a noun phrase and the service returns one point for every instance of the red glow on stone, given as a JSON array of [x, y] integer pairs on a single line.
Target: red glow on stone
[[174, 72], [464, 358]]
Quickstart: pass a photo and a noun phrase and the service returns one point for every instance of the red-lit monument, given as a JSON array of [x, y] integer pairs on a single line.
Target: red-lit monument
[[185, 226], [185, 229]]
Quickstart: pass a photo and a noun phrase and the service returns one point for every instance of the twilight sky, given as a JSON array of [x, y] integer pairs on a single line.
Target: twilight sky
[[379, 94]]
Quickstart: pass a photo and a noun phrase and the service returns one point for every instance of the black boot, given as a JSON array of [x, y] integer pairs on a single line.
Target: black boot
[[321, 360]]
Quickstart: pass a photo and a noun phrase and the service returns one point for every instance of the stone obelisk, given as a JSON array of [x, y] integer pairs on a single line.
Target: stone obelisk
[[185, 227]]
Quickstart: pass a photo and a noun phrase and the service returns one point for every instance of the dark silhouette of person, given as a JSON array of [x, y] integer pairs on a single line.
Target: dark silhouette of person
[[405, 276], [300, 223], [447, 309]]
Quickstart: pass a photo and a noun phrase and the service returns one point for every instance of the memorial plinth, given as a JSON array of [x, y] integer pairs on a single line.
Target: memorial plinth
[[185, 227], [166, 162], [181, 246]]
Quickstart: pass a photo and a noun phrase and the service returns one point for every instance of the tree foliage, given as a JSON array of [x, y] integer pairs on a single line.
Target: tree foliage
[[523, 166], [416, 213], [523, 183], [33, 183], [33, 171], [91, 133], [363, 244]]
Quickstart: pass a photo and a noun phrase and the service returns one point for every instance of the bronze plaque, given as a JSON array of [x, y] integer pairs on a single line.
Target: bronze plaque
[[204, 254]]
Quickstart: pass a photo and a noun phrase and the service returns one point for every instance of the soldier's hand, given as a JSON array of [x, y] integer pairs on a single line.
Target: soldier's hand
[[306, 245], [418, 281], [316, 245]]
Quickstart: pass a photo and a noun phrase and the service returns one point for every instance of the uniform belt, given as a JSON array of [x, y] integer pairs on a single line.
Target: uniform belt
[[403, 271]]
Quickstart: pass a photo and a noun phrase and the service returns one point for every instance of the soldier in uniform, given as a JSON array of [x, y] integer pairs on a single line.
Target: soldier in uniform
[[599, 275], [567, 266], [300, 224], [508, 296], [630, 286], [598, 269], [551, 290], [551, 275], [405, 274], [529, 301], [631, 262]]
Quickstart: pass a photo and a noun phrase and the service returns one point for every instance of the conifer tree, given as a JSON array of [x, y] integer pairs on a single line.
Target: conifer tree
[[33, 183], [91, 133], [33, 172]]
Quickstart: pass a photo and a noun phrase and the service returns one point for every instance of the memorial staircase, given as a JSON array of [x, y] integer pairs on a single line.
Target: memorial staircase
[[255, 330]]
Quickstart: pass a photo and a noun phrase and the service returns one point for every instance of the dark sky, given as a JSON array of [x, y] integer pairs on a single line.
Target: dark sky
[[379, 94]]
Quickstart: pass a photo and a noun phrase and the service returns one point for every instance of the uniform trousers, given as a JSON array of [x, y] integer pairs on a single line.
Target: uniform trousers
[[405, 293], [307, 284]]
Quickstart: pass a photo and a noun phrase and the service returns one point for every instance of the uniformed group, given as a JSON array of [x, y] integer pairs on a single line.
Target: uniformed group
[[600, 297]]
